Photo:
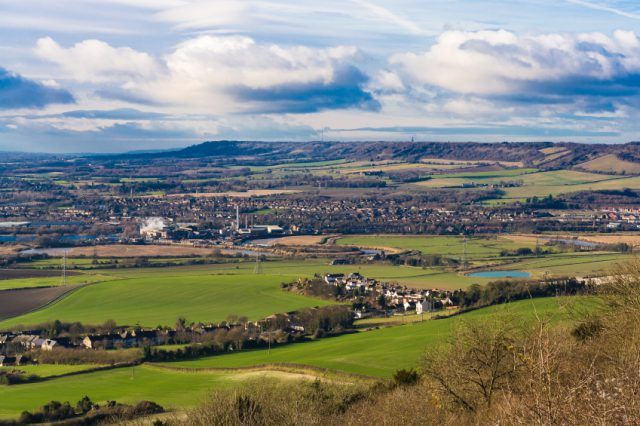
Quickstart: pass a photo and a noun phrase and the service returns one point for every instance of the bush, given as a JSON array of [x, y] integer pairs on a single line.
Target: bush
[[587, 329], [266, 403], [406, 377], [85, 413]]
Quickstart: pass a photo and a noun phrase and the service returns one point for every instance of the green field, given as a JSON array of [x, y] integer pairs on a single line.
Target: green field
[[170, 389], [573, 264], [379, 352], [209, 293], [161, 299], [50, 370], [534, 183], [153, 296], [375, 353], [52, 281], [483, 251], [449, 246]]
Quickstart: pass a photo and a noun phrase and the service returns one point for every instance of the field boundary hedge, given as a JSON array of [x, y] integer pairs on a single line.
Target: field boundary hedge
[[76, 373]]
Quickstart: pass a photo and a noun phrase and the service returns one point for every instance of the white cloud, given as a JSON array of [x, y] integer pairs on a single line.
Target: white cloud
[[97, 61], [222, 61], [503, 63], [201, 73], [388, 81]]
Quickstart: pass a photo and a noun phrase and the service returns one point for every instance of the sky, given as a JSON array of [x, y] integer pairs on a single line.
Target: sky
[[128, 75]]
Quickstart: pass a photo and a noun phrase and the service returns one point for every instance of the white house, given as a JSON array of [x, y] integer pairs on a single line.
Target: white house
[[423, 306]]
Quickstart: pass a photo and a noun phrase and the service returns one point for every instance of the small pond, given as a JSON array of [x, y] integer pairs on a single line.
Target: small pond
[[500, 274]]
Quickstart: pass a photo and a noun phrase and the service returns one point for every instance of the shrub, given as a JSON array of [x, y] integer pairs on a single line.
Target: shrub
[[406, 377]]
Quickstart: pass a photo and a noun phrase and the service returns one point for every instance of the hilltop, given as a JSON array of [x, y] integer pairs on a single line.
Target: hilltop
[[620, 159]]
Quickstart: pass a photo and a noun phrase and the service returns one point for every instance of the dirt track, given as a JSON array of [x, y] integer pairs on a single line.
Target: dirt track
[[22, 301]]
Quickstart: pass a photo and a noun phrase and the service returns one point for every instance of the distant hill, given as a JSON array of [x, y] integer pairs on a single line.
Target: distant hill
[[607, 158]]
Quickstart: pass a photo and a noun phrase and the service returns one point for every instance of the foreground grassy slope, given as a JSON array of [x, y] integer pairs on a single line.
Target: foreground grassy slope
[[381, 352], [374, 353], [128, 385]]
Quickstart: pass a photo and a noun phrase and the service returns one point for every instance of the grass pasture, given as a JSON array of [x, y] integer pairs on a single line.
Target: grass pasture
[[122, 250], [449, 246], [380, 352], [153, 296], [51, 370], [534, 183], [610, 164], [54, 280], [173, 389], [485, 252], [209, 293], [170, 389], [572, 264], [160, 298], [180, 385], [469, 163]]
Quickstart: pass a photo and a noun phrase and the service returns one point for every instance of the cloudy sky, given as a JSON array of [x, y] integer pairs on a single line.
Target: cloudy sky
[[121, 75]]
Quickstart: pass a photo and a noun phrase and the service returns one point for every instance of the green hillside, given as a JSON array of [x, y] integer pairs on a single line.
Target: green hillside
[[380, 352]]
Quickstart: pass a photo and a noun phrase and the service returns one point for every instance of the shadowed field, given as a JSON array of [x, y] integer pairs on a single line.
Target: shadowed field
[[12, 274]]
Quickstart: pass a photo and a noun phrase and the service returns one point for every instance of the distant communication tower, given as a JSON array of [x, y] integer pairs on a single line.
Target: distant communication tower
[[257, 269]]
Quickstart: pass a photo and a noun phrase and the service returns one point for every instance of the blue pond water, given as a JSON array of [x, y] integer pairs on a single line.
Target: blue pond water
[[500, 274]]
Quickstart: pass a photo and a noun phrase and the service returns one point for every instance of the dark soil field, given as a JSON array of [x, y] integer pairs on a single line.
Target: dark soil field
[[10, 274], [21, 301]]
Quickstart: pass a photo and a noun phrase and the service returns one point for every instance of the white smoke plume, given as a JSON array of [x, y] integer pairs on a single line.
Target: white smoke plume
[[152, 224]]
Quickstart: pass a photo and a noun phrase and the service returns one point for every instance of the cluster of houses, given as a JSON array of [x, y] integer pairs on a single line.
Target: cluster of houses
[[27, 341], [128, 339], [22, 343], [612, 218], [398, 298], [14, 346]]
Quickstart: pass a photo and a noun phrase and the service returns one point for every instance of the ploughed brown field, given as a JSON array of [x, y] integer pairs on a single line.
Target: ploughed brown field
[[11, 274], [11, 249], [21, 301]]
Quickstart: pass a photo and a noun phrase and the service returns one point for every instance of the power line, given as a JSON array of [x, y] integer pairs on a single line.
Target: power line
[[64, 268], [257, 269]]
